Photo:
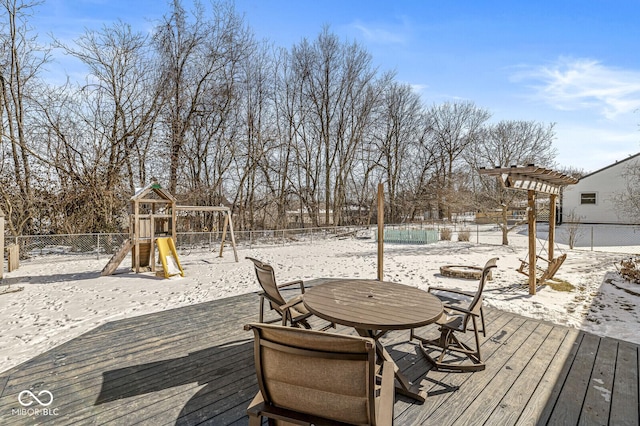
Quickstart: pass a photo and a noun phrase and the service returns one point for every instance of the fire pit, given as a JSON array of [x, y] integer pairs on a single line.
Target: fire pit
[[463, 271]]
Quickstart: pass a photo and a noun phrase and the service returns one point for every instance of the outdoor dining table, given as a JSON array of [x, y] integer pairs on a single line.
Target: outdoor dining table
[[374, 307]]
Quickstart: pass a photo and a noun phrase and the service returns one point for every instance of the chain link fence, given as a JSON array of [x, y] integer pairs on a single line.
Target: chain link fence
[[603, 238], [70, 246], [607, 238], [210, 241]]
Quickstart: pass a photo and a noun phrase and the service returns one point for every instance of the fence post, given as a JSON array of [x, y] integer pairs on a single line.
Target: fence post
[[97, 246]]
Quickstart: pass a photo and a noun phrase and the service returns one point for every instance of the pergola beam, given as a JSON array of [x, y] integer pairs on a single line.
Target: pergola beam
[[531, 179]]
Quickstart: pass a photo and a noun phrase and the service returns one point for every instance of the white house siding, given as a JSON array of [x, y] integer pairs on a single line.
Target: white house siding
[[604, 183]]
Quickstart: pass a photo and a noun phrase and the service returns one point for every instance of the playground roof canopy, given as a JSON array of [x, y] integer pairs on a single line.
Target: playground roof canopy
[[155, 188], [531, 178]]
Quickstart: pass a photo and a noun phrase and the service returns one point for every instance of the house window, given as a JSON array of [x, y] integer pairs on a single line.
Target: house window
[[588, 198]]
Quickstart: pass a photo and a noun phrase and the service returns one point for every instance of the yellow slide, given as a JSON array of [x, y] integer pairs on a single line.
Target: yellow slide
[[169, 257]]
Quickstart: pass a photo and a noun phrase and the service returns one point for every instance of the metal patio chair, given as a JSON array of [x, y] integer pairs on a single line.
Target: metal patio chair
[[292, 311], [453, 353], [313, 377]]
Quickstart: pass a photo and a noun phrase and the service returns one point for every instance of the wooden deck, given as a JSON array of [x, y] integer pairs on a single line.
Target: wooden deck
[[194, 365]]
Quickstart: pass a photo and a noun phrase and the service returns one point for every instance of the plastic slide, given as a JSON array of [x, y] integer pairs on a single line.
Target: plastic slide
[[169, 257]]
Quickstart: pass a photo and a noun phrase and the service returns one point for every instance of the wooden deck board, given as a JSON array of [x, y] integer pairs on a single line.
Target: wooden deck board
[[491, 395], [3, 384], [540, 401], [624, 399], [194, 365], [446, 385], [475, 385], [571, 399], [600, 385], [520, 394]]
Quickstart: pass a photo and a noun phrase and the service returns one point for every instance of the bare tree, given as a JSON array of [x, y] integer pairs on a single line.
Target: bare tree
[[573, 228], [119, 106], [21, 62], [397, 139], [454, 127], [502, 145], [298, 154], [627, 201], [297, 124], [199, 60], [313, 128], [262, 173], [337, 100]]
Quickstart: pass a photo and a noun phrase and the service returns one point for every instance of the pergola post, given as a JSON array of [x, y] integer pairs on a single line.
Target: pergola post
[[552, 224], [531, 219]]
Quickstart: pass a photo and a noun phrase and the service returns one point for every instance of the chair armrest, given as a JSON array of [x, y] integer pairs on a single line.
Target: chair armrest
[[296, 282], [447, 290], [292, 302], [384, 409], [257, 404], [461, 310]]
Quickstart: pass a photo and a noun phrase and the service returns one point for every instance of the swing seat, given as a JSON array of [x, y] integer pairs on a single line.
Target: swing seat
[[554, 265], [548, 273], [524, 265]]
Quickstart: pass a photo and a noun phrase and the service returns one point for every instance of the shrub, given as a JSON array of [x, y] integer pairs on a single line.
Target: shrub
[[445, 234], [464, 234]]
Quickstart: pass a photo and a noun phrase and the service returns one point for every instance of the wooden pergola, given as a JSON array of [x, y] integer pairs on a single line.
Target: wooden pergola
[[534, 180]]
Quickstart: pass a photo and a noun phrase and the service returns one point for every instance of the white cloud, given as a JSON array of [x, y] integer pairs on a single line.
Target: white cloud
[[381, 34], [419, 88], [578, 84], [590, 147]]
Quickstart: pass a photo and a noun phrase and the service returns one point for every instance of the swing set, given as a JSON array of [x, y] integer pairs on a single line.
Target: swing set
[[536, 180]]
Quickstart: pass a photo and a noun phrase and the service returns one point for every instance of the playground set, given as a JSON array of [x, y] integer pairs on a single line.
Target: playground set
[[152, 227]]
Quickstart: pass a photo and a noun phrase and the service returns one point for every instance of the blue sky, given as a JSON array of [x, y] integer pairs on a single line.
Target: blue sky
[[574, 63]]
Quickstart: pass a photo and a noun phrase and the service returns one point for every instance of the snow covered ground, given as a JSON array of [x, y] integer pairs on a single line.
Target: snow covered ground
[[66, 297]]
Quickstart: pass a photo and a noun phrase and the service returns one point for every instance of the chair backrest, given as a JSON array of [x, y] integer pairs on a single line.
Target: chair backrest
[[476, 302], [315, 373], [267, 279]]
